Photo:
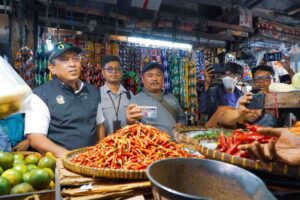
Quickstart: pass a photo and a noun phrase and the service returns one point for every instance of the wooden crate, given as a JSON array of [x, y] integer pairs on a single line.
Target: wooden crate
[[39, 195], [282, 100]]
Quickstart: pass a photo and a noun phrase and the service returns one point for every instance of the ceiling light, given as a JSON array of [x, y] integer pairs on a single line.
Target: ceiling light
[[159, 43]]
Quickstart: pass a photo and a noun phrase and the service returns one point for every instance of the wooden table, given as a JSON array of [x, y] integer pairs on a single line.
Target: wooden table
[[282, 100], [102, 188]]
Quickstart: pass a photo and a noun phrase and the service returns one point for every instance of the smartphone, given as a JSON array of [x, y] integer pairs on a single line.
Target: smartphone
[[257, 101], [149, 111], [273, 56]]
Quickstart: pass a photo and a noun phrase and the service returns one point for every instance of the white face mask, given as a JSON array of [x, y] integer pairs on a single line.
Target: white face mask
[[229, 83]]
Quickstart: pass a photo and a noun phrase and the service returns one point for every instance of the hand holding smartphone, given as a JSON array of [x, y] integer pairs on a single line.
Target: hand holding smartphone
[[257, 101], [149, 111]]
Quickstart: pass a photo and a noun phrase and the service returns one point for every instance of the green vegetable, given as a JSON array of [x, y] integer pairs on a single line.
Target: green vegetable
[[210, 135]]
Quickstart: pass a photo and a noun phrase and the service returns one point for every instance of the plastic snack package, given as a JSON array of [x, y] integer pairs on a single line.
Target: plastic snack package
[[13, 90]]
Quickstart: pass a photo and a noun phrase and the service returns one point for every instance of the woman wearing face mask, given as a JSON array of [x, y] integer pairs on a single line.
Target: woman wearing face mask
[[225, 94]]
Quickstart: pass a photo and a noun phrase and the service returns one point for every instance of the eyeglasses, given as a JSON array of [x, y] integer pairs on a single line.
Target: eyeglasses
[[262, 78], [65, 60], [113, 70], [232, 75]]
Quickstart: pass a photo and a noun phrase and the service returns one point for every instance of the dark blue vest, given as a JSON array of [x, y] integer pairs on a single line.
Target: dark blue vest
[[73, 116]]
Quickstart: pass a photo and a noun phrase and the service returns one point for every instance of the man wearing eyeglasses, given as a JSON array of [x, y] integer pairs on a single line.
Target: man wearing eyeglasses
[[225, 94], [263, 76], [114, 97], [65, 112]]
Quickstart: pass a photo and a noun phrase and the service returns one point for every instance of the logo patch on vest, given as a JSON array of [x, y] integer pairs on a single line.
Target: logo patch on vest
[[60, 99]]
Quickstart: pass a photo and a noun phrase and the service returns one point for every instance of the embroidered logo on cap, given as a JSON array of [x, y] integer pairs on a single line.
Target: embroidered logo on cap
[[60, 99], [61, 46]]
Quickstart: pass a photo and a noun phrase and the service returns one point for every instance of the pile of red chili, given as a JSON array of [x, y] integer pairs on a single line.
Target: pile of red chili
[[240, 136], [133, 147]]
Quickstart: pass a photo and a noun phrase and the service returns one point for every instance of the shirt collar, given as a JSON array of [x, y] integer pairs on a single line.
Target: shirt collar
[[163, 92], [80, 83], [107, 89]]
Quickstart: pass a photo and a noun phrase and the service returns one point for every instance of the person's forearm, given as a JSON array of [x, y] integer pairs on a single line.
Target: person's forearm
[[101, 131], [230, 117], [41, 143]]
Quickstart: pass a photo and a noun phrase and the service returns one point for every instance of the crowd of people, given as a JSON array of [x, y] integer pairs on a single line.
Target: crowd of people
[[67, 114]]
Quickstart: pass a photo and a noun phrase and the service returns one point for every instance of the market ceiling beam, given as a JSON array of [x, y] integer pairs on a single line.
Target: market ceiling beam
[[253, 4], [199, 37], [229, 26], [270, 15]]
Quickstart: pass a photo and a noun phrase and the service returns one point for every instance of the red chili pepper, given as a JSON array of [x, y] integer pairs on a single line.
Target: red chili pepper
[[252, 127], [222, 142], [233, 148], [250, 137]]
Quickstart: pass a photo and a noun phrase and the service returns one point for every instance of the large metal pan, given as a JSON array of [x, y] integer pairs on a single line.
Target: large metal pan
[[191, 178]]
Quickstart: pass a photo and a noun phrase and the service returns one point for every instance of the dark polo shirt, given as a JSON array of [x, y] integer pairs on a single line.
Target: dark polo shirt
[[73, 115]]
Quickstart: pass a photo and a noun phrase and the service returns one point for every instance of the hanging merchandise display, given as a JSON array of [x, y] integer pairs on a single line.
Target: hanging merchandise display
[[247, 75], [200, 64], [124, 55], [131, 82], [294, 54], [91, 73], [167, 81], [174, 63], [25, 65], [41, 67], [192, 93], [185, 80]]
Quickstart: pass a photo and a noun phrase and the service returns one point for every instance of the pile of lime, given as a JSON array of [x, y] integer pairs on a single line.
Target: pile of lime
[[22, 174]]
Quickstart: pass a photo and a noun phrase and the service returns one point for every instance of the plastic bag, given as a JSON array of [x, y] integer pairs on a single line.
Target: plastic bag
[[13, 90]]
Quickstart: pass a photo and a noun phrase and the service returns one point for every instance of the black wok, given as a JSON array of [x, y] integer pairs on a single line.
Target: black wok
[[191, 178]]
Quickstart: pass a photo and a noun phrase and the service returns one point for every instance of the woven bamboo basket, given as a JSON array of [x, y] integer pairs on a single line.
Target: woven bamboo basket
[[98, 172], [181, 136]]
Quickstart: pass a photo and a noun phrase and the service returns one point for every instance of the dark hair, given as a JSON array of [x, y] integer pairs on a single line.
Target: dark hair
[[285, 78], [263, 68], [234, 68], [151, 65], [110, 58]]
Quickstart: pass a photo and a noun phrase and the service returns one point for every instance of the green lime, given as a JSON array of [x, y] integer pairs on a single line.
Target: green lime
[[32, 159], [4, 186], [30, 167], [6, 160], [39, 179], [19, 161], [26, 177], [13, 176], [21, 188], [50, 172], [18, 156], [47, 162], [21, 168]]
